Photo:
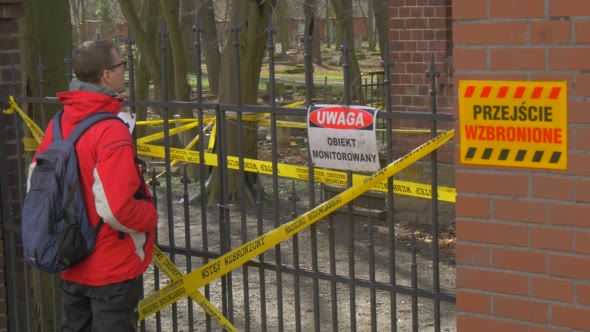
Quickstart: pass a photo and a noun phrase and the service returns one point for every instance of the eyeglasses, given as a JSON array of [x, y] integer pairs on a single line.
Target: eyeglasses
[[120, 64]]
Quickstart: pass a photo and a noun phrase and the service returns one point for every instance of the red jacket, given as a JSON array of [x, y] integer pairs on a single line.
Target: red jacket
[[109, 178]]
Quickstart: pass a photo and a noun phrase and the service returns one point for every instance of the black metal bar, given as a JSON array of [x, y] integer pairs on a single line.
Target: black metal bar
[[414, 276], [350, 206], [309, 88], [260, 231], [41, 72], [333, 273], [131, 73], [203, 169], [372, 291], [187, 235], [155, 184], [275, 183], [242, 180], [167, 160], [389, 204], [432, 73]]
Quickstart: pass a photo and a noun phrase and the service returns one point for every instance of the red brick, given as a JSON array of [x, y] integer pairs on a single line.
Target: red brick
[[498, 282], [578, 112], [582, 38], [489, 76], [571, 317], [569, 8], [552, 289], [520, 210], [574, 215], [517, 59], [492, 184], [577, 162], [470, 59], [552, 187], [519, 260], [492, 232], [472, 207], [469, 9], [570, 266], [531, 311], [473, 255], [552, 32], [582, 138], [583, 84], [486, 33], [582, 191], [473, 302], [552, 238], [524, 9], [488, 324], [546, 329], [583, 294], [569, 58], [582, 242]]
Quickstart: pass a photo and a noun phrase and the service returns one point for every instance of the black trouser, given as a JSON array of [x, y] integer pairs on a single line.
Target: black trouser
[[109, 308]]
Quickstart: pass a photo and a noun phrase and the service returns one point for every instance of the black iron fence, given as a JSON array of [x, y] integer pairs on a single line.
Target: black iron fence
[[360, 268]]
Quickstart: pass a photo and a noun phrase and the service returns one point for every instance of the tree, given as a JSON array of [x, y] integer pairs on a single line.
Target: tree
[[206, 20], [251, 16], [282, 26], [380, 10], [344, 27], [44, 40]]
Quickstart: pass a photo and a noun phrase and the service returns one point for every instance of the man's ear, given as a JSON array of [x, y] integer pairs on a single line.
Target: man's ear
[[105, 77]]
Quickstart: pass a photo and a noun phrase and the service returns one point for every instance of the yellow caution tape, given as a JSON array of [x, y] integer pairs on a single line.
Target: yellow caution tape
[[35, 130], [264, 167], [172, 131], [217, 268], [165, 264], [446, 194], [30, 144]]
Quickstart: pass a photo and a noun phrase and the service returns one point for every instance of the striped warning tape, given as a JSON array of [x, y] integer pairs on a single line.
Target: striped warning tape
[[217, 268]]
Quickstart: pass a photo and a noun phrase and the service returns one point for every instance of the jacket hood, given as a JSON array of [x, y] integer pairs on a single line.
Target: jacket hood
[[86, 98]]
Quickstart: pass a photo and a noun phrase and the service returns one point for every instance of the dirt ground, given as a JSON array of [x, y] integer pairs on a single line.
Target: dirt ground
[[369, 249]]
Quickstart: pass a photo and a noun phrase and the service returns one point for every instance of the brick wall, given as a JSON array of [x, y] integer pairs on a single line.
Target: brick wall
[[523, 235], [10, 10], [419, 30]]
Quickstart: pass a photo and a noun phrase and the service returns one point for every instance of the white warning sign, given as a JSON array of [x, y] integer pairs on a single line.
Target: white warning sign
[[343, 137]]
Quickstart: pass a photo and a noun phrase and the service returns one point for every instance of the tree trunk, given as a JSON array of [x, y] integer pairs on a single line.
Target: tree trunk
[[371, 27], [206, 17], [343, 11], [380, 10], [47, 41], [252, 18], [144, 39], [282, 27]]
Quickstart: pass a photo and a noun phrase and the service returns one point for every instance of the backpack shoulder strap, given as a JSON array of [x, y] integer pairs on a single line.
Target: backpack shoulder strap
[[88, 122], [57, 136]]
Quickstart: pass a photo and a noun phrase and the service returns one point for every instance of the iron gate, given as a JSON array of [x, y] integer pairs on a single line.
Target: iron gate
[[357, 269]]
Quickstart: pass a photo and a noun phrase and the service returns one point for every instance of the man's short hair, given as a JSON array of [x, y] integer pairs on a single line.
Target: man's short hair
[[91, 58]]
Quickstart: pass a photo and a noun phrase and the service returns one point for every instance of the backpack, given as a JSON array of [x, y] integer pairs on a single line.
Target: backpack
[[56, 232]]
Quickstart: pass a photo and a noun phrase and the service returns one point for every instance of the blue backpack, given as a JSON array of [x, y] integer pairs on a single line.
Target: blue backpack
[[56, 232]]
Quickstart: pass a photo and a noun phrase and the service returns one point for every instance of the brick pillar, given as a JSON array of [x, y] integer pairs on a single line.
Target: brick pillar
[[418, 31], [523, 235], [10, 10]]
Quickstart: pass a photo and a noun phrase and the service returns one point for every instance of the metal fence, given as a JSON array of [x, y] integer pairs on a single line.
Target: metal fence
[[348, 271]]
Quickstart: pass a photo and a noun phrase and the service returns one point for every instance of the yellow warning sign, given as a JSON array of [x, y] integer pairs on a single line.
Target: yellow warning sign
[[519, 124]]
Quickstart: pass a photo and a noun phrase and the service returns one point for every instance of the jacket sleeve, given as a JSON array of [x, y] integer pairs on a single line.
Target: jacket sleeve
[[117, 180]]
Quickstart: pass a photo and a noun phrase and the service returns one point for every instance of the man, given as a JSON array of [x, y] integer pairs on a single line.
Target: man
[[101, 293]]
